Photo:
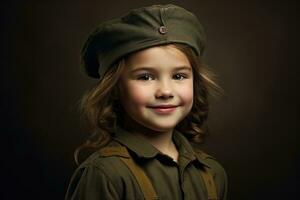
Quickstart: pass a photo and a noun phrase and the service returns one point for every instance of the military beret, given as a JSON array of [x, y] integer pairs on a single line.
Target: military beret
[[139, 29]]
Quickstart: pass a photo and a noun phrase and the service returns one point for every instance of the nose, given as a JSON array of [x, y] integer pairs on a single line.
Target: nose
[[164, 90]]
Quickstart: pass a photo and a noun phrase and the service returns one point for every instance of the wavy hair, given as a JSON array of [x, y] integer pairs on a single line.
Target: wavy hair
[[102, 111]]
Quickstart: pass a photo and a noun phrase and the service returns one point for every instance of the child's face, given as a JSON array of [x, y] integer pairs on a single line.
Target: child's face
[[156, 87]]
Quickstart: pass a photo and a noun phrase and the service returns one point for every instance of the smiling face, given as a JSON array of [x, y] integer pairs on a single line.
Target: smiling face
[[156, 87]]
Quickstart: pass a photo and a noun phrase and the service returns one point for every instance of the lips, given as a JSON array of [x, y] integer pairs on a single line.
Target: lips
[[164, 109]]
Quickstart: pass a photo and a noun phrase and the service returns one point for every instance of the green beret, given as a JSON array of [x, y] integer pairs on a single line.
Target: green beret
[[139, 29]]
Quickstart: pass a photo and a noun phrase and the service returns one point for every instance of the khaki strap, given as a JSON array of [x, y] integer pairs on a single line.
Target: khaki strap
[[114, 151], [142, 179], [207, 177], [210, 184]]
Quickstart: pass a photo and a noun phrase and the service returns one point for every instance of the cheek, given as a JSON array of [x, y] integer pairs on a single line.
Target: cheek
[[135, 94], [186, 93]]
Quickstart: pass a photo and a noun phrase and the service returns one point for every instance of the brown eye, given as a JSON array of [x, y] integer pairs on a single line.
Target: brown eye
[[179, 76], [145, 77]]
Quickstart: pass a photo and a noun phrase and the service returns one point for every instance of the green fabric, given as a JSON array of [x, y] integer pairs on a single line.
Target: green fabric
[[139, 29], [109, 178]]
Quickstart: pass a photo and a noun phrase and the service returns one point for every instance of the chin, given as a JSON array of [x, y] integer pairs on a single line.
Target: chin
[[161, 128]]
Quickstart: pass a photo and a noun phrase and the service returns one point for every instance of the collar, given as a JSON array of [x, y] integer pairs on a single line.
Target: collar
[[143, 149], [186, 150], [138, 145]]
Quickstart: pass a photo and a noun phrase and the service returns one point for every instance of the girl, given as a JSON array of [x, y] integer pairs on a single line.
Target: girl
[[148, 110]]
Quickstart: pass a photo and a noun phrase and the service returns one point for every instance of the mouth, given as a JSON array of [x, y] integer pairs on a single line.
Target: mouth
[[163, 109]]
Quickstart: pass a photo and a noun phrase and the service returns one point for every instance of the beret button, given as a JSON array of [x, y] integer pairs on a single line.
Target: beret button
[[162, 30]]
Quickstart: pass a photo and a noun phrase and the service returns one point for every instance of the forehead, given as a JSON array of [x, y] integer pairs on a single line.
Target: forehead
[[158, 56]]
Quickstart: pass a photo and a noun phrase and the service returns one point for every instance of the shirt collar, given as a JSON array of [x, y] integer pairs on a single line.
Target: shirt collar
[[186, 150], [144, 149], [137, 144]]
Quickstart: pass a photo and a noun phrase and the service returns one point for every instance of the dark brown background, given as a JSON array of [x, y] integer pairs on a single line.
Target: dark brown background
[[253, 46]]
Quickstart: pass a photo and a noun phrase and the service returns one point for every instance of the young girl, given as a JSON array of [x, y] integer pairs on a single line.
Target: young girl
[[148, 110]]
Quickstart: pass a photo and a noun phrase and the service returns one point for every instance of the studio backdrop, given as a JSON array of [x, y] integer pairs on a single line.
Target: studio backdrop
[[252, 46]]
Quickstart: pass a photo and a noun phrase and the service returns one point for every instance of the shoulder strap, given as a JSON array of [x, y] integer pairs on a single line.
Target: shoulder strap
[[209, 183], [207, 177], [144, 182], [142, 179]]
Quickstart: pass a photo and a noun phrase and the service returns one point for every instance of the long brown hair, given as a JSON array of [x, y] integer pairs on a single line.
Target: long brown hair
[[102, 110]]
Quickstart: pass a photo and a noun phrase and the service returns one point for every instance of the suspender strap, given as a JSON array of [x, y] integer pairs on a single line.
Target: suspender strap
[[210, 184], [142, 179], [207, 176], [144, 182]]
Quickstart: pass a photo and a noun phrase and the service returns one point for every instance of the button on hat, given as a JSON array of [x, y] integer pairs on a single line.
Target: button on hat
[[162, 29], [139, 29]]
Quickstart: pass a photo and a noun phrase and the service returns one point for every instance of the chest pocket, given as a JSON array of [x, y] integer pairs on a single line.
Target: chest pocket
[[142, 179]]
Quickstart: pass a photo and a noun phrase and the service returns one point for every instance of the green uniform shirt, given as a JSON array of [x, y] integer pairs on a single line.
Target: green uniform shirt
[[109, 178]]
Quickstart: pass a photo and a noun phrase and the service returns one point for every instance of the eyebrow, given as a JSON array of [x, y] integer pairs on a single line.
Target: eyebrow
[[153, 69]]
